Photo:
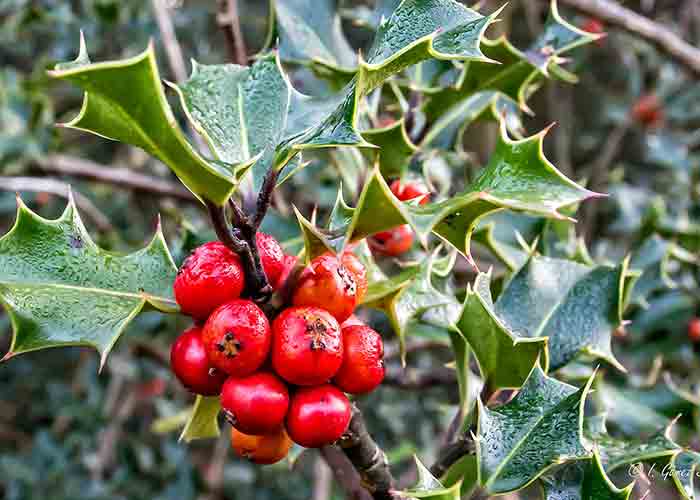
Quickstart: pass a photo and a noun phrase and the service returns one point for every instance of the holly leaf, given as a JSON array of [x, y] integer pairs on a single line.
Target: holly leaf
[[585, 480], [684, 468], [410, 297], [428, 486], [395, 148], [417, 30], [576, 307], [240, 111], [203, 421], [124, 101], [310, 33], [540, 428], [644, 410], [651, 259], [515, 79], [59, 288], [492, 341], [518, 177], [615, 453]]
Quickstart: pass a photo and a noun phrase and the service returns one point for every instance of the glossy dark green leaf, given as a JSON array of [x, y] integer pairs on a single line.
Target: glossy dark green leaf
[[310, 33], [684, 471], [60, 288], [395, 148], [518, 177], [538, 429], [493, 342], [584, 480], [517, 76], [124, 101], [644, 410], [651, 259], [618, 452], [240, 111], [576, 307]]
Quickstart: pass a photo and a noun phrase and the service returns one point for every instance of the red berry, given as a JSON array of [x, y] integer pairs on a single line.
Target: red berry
[[694, 330], [648, 110], [288, 265], [327, 284], [271, 256], [362, 369], [263, 450], [394, 242], [358, 271], [189, 362], [307, 347], [237, 338], [211, 276], [256, 404], [318, 416], [410, 191]]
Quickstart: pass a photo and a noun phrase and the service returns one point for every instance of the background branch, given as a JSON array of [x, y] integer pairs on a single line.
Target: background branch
[[228, 20], [666, 40], [58, 188], [119, 176]]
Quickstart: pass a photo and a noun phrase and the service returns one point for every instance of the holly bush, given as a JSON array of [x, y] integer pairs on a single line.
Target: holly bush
[[545, 359]]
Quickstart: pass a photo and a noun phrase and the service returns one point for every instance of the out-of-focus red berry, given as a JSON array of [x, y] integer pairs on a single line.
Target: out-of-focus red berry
[[394, 242], [410, 191], [648, 110], [271, 256]]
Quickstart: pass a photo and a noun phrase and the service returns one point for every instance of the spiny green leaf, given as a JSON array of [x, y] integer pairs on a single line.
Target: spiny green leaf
[[652, 260], [684, 468], [240, 111], [124, 101], [644, 410], [310, 33], [493, 342], [203, 422], [408, 300], [395, 148], [417, 30], [428, 486], [60, 288], [516, 77], [518, 177], [540, 428], [576, 307], [615, 452], [585, 480]]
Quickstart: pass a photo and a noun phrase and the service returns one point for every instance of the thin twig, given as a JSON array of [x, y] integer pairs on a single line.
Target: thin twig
[[228, 20], [666, 40], [242, 241], [265, 196], [119, 176], [58, 188], [451, 453]]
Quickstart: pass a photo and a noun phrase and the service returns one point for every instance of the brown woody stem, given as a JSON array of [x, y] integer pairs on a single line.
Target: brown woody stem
[[368, 459]]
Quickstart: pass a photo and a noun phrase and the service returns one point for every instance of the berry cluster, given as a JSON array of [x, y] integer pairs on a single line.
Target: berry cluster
[[399, 240], [281, 379]]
